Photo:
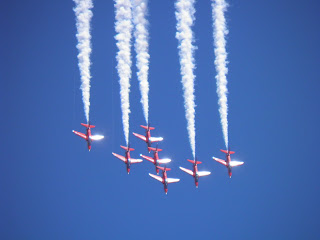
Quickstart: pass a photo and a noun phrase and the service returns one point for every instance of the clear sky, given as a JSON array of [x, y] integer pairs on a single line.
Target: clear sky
[[51, 187]]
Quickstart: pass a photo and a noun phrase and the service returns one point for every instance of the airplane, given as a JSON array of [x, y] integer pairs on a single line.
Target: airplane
[[88, 137], [164, 179], [155, 160], [228, 163], [148, 139], [127, 159], [195, 173]]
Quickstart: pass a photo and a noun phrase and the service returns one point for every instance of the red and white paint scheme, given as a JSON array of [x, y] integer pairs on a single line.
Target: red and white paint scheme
[[147, 138], [127, 159], [195, 173], [228, 163], [164, 179], [155, 160], [88, 137]]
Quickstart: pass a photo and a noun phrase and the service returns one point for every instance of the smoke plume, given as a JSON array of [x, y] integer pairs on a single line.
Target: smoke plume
[[185, 17], [83, 17], [219, 34]]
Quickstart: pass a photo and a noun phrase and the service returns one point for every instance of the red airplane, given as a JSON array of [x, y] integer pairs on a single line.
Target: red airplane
[[155, 160], [88, 137], [164, 179], [127, 159], [148, 139], [195, 173], [228, 163]]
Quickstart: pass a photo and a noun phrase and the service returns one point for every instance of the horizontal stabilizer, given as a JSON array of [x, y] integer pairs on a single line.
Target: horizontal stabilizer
[[96, 137], [162, 168], [127, 148], [87, 125], [172, 180], [225, 151], [140, 136], [203, 173], [220, 161], [146, 128], [236, 163], [192, 161], [156, 139], [135, 160], [156, 177], [154, 149], [164, 160], [122, 158], [186, 170], [150, 159]]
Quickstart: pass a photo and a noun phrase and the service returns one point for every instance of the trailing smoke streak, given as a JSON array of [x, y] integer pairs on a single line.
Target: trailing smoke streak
[[185, 17], [123, 27], [83, 17], [141, 47], [219, 33]]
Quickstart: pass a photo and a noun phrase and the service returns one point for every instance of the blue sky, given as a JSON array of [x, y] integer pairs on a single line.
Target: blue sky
[[53, 188]]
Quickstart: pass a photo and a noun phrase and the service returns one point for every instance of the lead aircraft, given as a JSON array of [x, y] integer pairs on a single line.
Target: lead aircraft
[[228, 163], [88, 137], [148, 139], [127, 159], [164, 179], [155, 160], [195, 173]]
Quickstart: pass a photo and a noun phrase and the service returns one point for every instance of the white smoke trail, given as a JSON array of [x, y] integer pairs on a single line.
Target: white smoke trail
[[83, 16], [140, 8], [185, 17], [219, 33], [123, 27]]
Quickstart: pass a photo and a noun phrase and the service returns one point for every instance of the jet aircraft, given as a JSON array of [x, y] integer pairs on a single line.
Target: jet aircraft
[[148, 139], [195, 173], [88, 137], [127, 159], [164, 179], [155, 160], [228, 163]]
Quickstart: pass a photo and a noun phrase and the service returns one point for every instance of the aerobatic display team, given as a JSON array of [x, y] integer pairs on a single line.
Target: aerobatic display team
[[131, 25]]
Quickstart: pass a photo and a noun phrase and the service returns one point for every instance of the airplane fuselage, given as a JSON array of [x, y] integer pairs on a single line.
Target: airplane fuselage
[[195, 174], [165, 183], [228, 160], [128, 161], [88, 138], [156, 163]]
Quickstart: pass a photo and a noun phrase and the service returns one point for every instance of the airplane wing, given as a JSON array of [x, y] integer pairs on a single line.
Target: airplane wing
[[140, 136], [150, 159], [122, 158], [164, 160], [132, 160], [80, 134], [156, 177], [203, 173], [236, 163], [186, 170], [156, 139], [220, 161], [172, 180], [96, 137]]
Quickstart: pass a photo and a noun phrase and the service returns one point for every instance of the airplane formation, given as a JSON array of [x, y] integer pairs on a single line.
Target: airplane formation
[[156, 160]]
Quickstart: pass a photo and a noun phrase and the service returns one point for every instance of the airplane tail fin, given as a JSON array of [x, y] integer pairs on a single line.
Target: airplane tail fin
[[146, 127], [88, 125], [192, 161], [164, 168], [225, 151], [127, 148], [154, 149]]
